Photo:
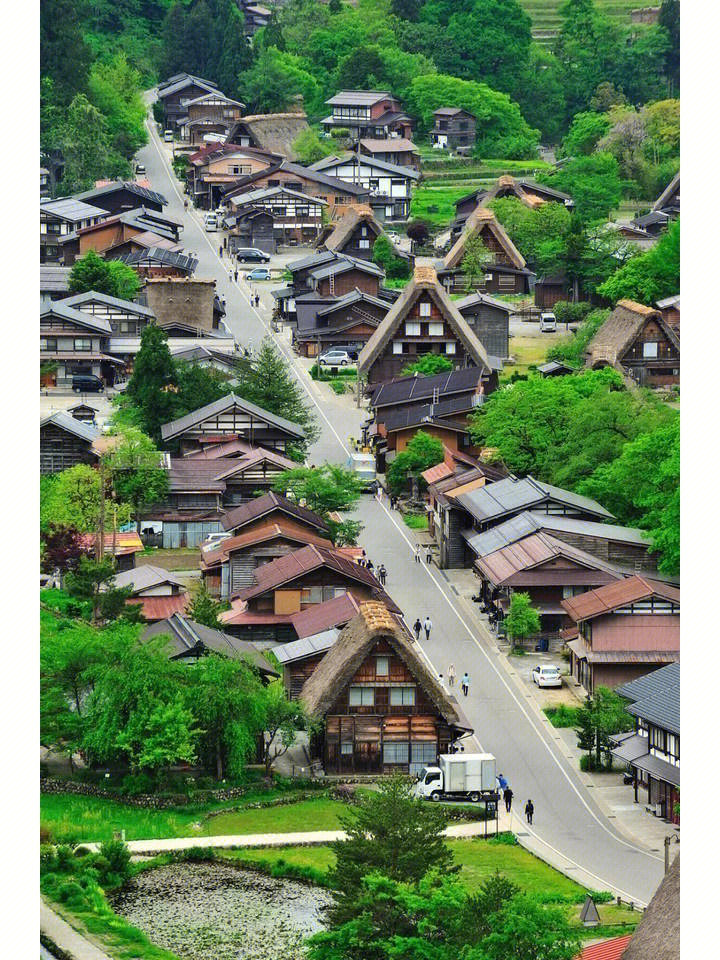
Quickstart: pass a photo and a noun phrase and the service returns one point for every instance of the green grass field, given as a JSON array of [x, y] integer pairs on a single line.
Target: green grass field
[[436, 205], [93, 819], [544, 13]]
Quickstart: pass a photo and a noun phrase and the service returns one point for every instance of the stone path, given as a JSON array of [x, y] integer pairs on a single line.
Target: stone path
[[305, 839], [63, 936]]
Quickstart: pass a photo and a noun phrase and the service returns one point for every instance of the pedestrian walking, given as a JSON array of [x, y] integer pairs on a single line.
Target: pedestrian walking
[[382, 573], [502, 782], [369, 565], [418, 558], [507, 797], [427, 627], [465, 683], [220, 250], [417, 627], [428, 554], [452, 676], [529, 811], [257, 300], [378, 494], [441, 681]]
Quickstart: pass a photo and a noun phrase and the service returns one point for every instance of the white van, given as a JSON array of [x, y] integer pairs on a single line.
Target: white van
[[211, 222], [168, 136], [548, 323]]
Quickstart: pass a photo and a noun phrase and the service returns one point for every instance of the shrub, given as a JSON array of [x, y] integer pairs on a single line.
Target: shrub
[[198, 854], [113, 864], [48, 860], [506, 837], [339, 386], [587, 763], [45, 834], [562, 716], [567, 312], [64, 858], [71, 893], [136, 784]]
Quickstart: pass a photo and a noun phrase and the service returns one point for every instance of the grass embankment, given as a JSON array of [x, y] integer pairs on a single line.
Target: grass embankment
[[436, 205], [528, 352], [562, 716], [92, 819], [416, 521]]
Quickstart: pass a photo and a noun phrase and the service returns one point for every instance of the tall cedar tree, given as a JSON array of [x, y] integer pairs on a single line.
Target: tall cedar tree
[[267, 382], [151, 385], [393, 832], [205, 610]]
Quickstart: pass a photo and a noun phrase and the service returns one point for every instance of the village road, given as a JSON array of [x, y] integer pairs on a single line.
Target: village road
[[569, 831]]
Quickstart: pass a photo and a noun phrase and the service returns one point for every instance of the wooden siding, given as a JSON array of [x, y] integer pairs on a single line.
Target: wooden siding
[[60, 450]]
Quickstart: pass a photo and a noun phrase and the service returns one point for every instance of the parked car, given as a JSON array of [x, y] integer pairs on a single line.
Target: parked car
[[547, 676], [259, 273], [252, 255], [211, 222], [87, 383], [139, 168], [548, 323], [168, 136], [335, 358]]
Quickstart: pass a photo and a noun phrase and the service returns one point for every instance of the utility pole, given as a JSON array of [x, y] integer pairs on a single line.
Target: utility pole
[[100, 542]]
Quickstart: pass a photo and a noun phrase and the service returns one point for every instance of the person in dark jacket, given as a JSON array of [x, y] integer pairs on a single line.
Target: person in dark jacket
[[507, 797], [417, 627], [382, 574], [529, 811]]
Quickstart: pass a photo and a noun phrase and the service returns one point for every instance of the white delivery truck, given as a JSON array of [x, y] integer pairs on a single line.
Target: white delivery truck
[[363, 466], [459, 776]]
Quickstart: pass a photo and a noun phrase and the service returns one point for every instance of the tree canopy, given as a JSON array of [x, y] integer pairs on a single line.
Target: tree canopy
[[422, 452], [111, 277], [651, 276]]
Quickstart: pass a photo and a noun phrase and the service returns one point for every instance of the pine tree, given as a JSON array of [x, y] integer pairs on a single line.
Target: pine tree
[[204, 609], [153, 374]]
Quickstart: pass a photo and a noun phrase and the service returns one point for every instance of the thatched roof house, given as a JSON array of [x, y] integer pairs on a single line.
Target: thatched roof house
[[354, 643], [356, 232], [274, 132], [636, 340], [658, 934], [484, 223]]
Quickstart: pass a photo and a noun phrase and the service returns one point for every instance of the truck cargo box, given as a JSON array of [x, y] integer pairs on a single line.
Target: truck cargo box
[[468, 772]]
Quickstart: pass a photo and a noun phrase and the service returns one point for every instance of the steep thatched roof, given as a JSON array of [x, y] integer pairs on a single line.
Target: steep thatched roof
[[620, 330], [339, 665], [667, 195], [480, 221], [658, 934], [275, 132], [347, 223], [425, 281]]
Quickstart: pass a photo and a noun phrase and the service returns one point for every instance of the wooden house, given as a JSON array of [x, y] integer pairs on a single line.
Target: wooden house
[[59, 218], [554, 368], [665, 209], [159, 262], [396, 150], [126, 318], [75, 343], [272, 132], [639, 344], [531, 194], [328, 274], [670, 311], [121, 196], [255, 16], [230, 566], [211, 113], [652, 748], [219, 165], [337, 194], [423, 320], [453, 128], [292, 583], [505, 267], [389, 186], [622, 631], [53, 283], [273, 508], [545, 568], [157, 591], [550, 289], [347, 321], [447, 420], [176, 92], [122, 545], [355, 234], [367, 113], [415, 390], [189, 641], [252, 227], [65, 442], [83, 412], [489, 320], [296, 217], [317, 629], [381, 709], [109, 236]]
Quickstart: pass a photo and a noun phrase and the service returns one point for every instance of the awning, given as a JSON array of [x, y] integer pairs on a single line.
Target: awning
[[631, 748], [660, 769], [578, 648]]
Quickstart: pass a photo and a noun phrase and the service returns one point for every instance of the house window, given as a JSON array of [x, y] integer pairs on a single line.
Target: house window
[[346, 748], [396, 752], [397, 346], [450, 346], [425, 752], [382, 666], [650, 349], [312, 595], [364, 244], [412, 329], [126, 327], [83, 344], [402, 696], [49, 343], [361, 697], [424, 309], [435, 329]]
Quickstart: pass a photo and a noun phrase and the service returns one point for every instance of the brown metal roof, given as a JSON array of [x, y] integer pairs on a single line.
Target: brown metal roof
[[533, 551], [270, 531], [602, 600], [285, 569], [269, 503], [583, 652], [160, 608], [323, 616]]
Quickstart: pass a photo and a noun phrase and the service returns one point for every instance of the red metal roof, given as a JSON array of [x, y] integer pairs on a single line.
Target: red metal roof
[[323, 616], [607, 950], [532, 552], [285, 569], [259, 535], [595, 603], [126, 542], [160, 608], [439, 472]]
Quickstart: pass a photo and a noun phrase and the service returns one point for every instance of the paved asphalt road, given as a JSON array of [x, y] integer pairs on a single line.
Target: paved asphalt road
[[569, 830]]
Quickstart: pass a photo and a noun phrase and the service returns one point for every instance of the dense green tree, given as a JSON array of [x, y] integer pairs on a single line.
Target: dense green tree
[[586, 255], [275, 78], [308, 148], [522, 619], [268, 382], [111, 277], [64, 56], [150, 387], [389, 831], [72, 499], [84, 142], [406, 9], [324, 489], [283, 719], [602, 715], [428, 365], [205, 610], [637, 82], [669, 19], [475, 262], [530, 228], [69, 650], [114, 88], [92, 580], [585, 131], [61, 548], [527, 930], [651, 276], [538, 91], [134, 466], [197, 386], [236, 54], [422, 452], [395, 267], [593, 182]]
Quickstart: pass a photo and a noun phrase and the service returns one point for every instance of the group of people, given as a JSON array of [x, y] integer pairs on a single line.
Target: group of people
[[505, 791], [418, 553]]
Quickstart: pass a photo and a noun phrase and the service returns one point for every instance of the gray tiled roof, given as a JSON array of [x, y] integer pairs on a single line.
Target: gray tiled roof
[[69, 208], [365, 98], [170, 430], [656, 697], [144, 193], [60, 309], [53, 278], [511, 495], [367, 161], [307, 647], [92, 296], [85, 431]]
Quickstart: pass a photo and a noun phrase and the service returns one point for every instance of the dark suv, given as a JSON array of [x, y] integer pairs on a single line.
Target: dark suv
[[87, 383], [252, 255]]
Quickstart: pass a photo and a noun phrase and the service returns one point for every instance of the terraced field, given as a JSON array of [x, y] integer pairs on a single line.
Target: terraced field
[[546, 20]]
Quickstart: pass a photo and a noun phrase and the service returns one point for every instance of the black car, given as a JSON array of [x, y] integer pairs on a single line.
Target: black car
[[87, 383], [252, 255]]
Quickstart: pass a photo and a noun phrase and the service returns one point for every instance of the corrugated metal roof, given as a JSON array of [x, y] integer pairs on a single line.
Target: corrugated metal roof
[[322, 616], [268, 503], [160, 608], [60, 309], [513, 494], [307, 647], [607, 950], [143, 192], [125, 542], [92, 296], [404, 417], [145, 576], [186, 635], [261, 534], [53, 279], [365, 98], [71, 209], [602, 600], [533, 551], [285, 569]]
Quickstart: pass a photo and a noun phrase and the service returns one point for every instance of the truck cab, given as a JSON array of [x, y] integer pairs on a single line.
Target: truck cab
[[363, 466], [458, 776]]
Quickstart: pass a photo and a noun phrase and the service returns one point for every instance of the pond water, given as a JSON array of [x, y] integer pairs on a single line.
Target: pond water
[[213, 911]]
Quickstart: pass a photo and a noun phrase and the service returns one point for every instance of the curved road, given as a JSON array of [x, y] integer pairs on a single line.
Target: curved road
[[570, 830]]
